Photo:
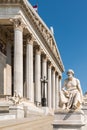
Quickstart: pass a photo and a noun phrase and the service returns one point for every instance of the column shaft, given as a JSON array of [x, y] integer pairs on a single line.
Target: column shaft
[[29, 71], [53, 86], [38, 76], [44, 67], [18, 60], [59, 90], [49, 86], [44, 73], [56, 92]]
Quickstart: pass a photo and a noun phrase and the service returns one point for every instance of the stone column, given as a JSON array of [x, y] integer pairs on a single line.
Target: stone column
[[44, 73], [49, 86], [56, 92], [44, 66], [53, 87], [59, 89], [18, 55], [60, 83], [8, 69], [29, 68], [38, 75]]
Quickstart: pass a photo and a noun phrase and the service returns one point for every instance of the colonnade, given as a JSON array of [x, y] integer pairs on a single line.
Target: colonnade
[[43, 67]]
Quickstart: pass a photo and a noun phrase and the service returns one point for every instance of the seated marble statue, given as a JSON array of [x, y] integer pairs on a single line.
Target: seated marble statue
[[71, 93]]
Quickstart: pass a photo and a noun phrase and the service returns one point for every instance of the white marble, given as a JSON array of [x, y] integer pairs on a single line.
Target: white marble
[[71, 93], [18, 60], [56, 91], [38, 76], [44, 73], [69, 120], [29, 70], [49, 86], [6, 116], [53, 87], [17, 110]]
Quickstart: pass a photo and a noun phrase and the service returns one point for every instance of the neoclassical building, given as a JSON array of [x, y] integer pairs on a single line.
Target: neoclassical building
[[28, 54]]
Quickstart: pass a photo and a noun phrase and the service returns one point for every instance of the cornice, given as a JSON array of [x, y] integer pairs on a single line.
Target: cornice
[[41, 26]]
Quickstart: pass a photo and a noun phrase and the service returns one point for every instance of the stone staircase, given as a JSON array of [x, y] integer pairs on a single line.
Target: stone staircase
[[32, 123]]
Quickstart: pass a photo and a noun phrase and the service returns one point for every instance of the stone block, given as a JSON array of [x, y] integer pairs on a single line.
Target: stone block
[[7, 116], [84, 108], [68, 120], [18, 110]]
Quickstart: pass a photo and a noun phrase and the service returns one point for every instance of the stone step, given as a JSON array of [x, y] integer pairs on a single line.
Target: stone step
[[35, 123], [6, 116]]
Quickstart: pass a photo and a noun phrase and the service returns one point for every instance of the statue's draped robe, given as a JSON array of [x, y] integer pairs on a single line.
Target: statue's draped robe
[[71, 93]]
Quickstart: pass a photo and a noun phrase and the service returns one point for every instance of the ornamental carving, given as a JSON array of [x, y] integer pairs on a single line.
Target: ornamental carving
[[29, 37], [17, 22]]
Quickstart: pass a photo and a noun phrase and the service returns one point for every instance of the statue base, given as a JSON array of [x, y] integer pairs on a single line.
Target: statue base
[[17, 110], [68, 120]]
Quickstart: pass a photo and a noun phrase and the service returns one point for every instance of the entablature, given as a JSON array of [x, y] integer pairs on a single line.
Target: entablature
[[40, 25]]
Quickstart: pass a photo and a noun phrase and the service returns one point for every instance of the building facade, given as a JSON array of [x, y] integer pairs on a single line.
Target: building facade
[[28, 55]]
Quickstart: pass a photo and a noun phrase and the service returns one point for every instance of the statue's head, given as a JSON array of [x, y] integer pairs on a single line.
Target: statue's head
[[70, 73]]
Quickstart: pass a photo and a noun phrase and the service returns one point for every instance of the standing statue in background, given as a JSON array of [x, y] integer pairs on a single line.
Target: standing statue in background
[[71, 93]]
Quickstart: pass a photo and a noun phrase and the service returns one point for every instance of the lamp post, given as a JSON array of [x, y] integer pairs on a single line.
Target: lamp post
[[44, 82]]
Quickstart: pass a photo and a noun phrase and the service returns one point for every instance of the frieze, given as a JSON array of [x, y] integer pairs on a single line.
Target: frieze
[[48, 37], [10, 1]]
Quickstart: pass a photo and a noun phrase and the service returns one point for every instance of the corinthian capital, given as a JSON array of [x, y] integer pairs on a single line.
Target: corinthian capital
[[30, 38], [17, 22]]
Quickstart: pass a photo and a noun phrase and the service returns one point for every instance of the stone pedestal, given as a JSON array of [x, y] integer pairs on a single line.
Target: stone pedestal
[[84, 108], [4, 112], [69, 120], [17, 110]]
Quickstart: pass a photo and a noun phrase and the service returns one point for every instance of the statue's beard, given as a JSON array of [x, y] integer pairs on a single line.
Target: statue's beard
[[70, 77]]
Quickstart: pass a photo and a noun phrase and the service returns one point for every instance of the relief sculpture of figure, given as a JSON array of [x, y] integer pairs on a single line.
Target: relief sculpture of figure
[[71, 93]]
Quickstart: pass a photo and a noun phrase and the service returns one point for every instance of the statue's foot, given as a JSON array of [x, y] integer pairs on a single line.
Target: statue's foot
[[67, 108], [63, 107]]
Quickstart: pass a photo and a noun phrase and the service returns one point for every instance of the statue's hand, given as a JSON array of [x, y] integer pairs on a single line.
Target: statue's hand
[[66, 93]]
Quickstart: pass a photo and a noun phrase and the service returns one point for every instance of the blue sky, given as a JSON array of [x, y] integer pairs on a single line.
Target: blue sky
[[69, 20]]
